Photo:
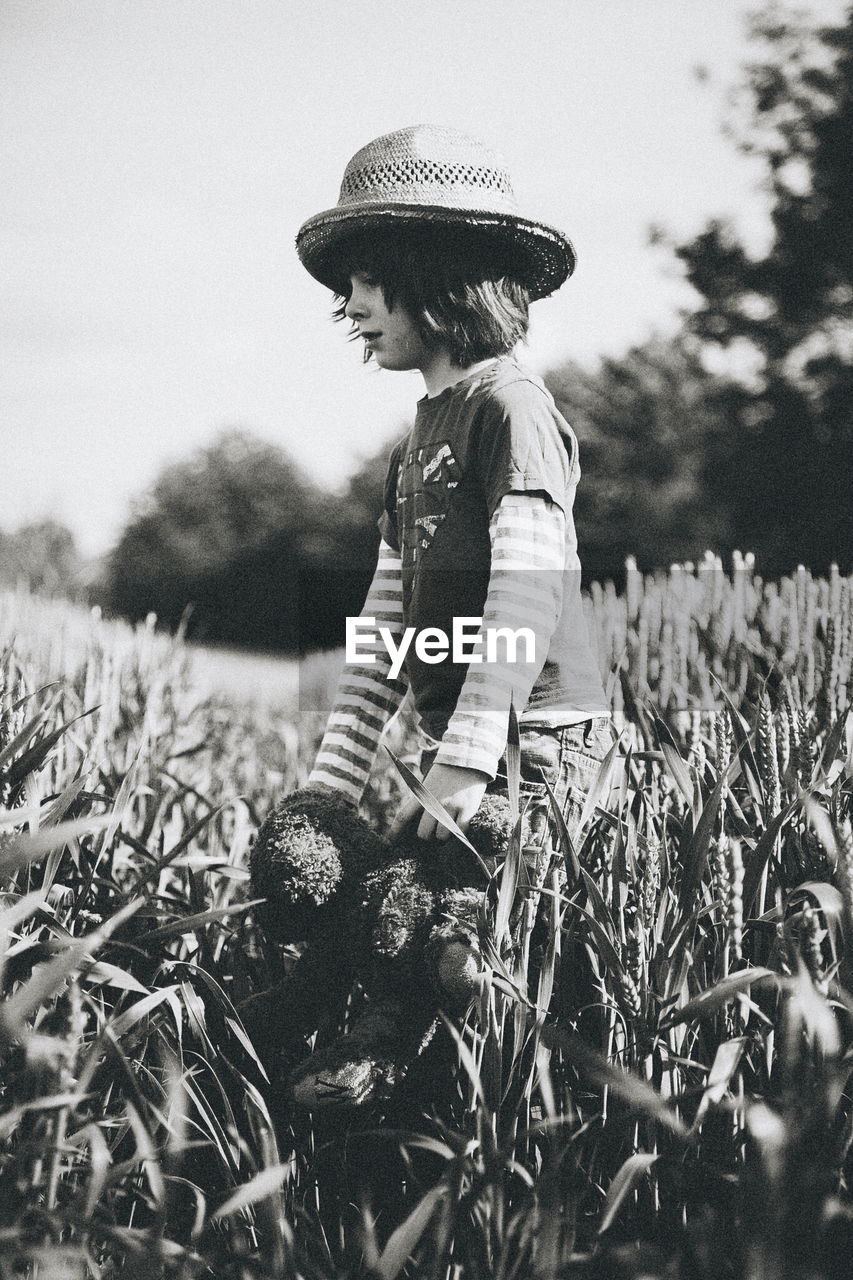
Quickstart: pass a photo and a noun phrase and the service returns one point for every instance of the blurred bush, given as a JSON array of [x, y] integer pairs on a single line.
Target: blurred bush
[[236, 543], [42, 556], [643, 422]]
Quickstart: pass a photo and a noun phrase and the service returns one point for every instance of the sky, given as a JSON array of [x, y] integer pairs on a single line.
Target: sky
[[158, 157]]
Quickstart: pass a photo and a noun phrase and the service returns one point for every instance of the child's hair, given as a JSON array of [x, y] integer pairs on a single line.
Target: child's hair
[[457, 285]]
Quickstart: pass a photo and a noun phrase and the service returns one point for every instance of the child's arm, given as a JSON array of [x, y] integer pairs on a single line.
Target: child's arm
[[365, 699], [528, 540]]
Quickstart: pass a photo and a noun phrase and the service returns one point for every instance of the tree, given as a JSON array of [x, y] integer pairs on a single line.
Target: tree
[[340, 555], [43, 556], [221, 532], [643, 421], [784, 475], [239, 543]]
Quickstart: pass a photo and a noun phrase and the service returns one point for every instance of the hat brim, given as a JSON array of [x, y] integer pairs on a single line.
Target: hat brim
[[545, 257]]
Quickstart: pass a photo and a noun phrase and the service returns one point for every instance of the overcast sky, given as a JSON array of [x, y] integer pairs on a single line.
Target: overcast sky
[[158, 156]]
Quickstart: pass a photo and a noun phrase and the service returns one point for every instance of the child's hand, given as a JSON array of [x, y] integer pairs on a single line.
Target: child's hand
[[459, 790]]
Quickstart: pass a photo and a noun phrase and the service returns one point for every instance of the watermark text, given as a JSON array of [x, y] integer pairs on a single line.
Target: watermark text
[[431, 644]]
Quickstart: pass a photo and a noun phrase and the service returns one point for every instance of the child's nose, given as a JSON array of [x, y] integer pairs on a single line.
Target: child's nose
[[355, 308]]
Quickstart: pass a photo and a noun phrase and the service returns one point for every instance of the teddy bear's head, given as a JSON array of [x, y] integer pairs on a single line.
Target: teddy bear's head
[[305, 852]]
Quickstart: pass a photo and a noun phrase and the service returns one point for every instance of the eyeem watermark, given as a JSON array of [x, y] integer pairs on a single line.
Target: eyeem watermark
[[433, 645]]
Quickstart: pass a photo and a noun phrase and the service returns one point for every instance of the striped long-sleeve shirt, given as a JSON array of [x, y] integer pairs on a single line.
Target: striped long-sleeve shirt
[[527, 536], [528, 544], [366, 696]]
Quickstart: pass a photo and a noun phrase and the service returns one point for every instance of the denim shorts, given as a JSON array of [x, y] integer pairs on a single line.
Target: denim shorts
[[568, 758]]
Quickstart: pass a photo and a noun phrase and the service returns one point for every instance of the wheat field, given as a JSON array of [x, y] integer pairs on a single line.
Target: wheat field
[[655, 1080]]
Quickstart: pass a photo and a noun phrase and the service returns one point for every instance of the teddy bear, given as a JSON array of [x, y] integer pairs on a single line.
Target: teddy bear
[[400, 924]]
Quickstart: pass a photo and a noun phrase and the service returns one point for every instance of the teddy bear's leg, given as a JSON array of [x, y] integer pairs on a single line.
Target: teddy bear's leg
[[389, 922], [365, 1065], [281, 1019], [454, 960]]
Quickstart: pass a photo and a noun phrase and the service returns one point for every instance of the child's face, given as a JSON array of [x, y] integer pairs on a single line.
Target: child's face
[[391, 336]]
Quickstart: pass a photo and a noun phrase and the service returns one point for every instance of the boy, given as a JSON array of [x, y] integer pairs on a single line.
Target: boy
[[435, 267]]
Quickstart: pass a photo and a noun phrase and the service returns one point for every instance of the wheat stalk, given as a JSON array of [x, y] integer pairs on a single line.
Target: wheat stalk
[[650, 884], [844, 867], [768, 763], [811, 937], [727, 863]]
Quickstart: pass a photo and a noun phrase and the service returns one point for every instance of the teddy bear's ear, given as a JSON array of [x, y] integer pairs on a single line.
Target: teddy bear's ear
[[304, 852], [491, 827]]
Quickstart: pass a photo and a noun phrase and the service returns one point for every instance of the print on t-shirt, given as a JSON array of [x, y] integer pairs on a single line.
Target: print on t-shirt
[[425, 487]]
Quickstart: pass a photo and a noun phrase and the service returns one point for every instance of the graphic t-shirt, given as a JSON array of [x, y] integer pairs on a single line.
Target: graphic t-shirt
[[495, 432]]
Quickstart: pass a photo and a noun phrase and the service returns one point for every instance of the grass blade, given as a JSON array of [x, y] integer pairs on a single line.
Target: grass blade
[[637, 1096], [403, 1241], [263, 1186], [632, 1172], [715, 997]]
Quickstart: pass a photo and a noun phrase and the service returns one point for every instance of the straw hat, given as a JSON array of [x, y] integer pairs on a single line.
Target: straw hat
[[430, 174]]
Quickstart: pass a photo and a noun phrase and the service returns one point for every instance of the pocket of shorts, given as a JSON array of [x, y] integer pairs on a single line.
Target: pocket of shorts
[[541, 752], [540, 759], [581, 760]]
